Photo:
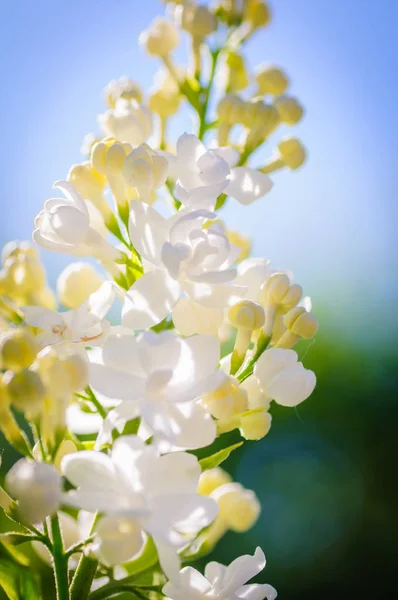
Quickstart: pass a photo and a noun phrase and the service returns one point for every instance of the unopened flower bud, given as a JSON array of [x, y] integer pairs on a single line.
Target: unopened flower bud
[[160, 38], [122, 88], [291, 154], [8, 425], [198, 20], [26, 391], [164, 104], [89, 183], [77, 369], [271, 80], [212, 479], [261, 120], [255, 424], [239, 508], [246, 316], [76, 283], [257, 13], [299, 324], [237, 73], [16, 249], [18, 349], [289, 109], [227, 400], [37, 487], [231, 109], [65, 448]]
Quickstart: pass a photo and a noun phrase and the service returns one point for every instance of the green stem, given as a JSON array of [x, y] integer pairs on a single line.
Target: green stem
[[203, 108], [85, 572], [60, 561], [94, 400]]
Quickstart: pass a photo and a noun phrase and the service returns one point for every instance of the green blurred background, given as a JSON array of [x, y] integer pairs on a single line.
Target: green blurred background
[[326, 473]]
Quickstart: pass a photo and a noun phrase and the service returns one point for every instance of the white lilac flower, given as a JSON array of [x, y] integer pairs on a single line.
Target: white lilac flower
[[203, 174], [282, 378], [145, 170], [127, 122], [158, 377], [138, 491], [85, 325], [37, 487], [220, 582], [64, 226], [184, 259]]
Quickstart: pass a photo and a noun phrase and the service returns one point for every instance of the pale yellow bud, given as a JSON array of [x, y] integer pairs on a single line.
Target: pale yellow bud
[[163, 103], [293, 296], [226, 401], [44, 297], [293, 152], [76, 283], [160, 38], [25, 273], [88, 182], [77, 369], [276, 288], [257, 13], [246, 315], [272, 80], [65, 448], [16, 249], [18, 349], [238, 78], [89, 140], [254, 425], [107, 156], [212, 479], [122, 88], [289, 109], [197, 20], [231, 109], [8, 425], [26, 391], [239, 508], [301, 323]]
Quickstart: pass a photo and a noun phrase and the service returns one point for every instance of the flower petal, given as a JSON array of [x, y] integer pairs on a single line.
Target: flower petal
[[150, 300], [189, 317], [148, 231], [247, 185]]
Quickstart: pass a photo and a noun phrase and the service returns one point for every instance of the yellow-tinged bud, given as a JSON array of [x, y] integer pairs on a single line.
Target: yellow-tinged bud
[[289, 109], [77, 369], [163, 103], [241, 241], [16, 249], [291, 154], [276, 288], [246, 315], [239, 508], [88, 182], [198, 21], [26, 391], [301, 322], [107, 156], [24, 273], [8, 425], [76, 283], [65, 448], [226, 401], [87, 144], [271, 80], [160, 38], [238, 78], [122, 88], [44, 297], [257, 13], [18, 349], [255, 424], [211, 480], [231, 109]]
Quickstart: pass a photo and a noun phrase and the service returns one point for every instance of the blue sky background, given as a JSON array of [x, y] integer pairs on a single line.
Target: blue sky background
[[333, 222]]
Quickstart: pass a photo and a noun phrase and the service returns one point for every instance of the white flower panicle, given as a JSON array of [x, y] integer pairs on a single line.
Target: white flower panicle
[[124, 378]]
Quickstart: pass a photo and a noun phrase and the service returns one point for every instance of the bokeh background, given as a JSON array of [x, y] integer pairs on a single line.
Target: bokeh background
[[326, 473]]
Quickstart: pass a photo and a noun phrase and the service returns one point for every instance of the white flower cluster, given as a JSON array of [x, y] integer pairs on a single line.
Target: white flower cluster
[[202, 349]]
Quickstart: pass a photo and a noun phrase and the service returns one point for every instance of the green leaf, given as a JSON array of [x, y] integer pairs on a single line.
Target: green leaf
[[9, 580], [13, 554], [210, 462], [15, 538], [30, 586]]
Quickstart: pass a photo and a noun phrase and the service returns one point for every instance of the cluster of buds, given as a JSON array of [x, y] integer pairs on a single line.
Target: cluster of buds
[[38, 383], [238, 507], [23, 278]]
